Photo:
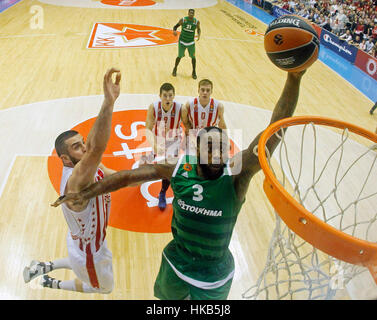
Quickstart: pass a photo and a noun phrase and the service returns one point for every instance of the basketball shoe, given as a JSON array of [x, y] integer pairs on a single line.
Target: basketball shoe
[[49, 282], [36, 269], [162, 201]]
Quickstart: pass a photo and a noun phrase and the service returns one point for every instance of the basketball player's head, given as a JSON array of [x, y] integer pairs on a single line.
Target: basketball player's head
[[212, 145], [70, 147], [167, 94], [205, 88], [191, 13]]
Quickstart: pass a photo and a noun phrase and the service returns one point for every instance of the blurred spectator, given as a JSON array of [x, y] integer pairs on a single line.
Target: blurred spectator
[[337, 16], [312, 3], [373, 52], [292, 6], [369, 25], [368, 45], [335, 26], [359, 27], [374, 33], [347, 36], [362, 45], [356, 41], [342, 20], [326, 24], [352, 23]]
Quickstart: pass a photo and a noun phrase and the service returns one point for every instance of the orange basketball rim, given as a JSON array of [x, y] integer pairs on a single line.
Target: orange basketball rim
[[305, 224]]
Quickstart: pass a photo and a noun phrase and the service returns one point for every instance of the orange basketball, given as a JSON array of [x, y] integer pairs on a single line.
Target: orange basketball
[[291, 43]]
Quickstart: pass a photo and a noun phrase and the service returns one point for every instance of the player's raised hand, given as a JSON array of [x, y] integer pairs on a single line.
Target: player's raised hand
[[111, 89], [75, 198]]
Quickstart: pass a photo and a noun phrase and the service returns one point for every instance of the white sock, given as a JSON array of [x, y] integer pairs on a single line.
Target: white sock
[[68, 285], [61, 264]]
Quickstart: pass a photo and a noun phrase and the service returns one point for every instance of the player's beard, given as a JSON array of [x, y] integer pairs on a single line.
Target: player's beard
[[210, 173], [73, 160]]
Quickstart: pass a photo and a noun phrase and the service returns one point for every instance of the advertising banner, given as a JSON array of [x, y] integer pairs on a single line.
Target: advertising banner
[[278, 12], [341, 47], [367, 63]]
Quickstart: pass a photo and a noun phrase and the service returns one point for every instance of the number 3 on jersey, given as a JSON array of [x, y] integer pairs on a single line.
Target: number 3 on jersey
[[198, 193]]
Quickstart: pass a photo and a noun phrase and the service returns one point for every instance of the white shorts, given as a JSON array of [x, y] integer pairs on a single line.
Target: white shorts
[[169, 149], [102, 273]]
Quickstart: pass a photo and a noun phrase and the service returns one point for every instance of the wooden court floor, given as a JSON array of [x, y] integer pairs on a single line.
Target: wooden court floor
[[54, 64]]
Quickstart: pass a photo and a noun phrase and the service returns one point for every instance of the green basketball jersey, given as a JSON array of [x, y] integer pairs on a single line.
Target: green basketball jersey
[[188, 31], [204, 215]]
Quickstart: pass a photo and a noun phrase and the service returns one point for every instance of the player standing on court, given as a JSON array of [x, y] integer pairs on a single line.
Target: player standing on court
[[88, 255], [208, 195], [202, 111], [164, 131], [187, 40]]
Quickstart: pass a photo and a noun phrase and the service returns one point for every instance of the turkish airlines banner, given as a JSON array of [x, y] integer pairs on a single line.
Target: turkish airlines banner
[[366, 63]]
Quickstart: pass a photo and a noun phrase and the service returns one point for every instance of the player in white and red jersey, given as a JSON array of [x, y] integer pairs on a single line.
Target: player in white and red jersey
[[202, 111], [88, 255], [164, 131]]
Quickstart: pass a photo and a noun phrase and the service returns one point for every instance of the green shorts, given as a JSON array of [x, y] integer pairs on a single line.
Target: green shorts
[[169, 286], [182, 48]]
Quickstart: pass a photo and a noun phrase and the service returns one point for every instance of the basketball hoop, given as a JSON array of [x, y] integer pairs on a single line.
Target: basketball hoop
[[320, 216]]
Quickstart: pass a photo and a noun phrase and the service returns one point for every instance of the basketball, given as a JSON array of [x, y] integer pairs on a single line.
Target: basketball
[[291, 43]]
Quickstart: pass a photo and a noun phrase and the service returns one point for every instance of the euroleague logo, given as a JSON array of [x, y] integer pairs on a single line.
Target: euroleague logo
[[278, 39], [132, 208]]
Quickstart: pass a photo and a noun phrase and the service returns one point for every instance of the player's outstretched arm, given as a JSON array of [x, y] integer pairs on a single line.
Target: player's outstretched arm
[[118, 180], [84, 171], [284, 108]]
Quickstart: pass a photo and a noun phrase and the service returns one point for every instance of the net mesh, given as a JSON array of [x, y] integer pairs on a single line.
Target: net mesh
[[332, 173]]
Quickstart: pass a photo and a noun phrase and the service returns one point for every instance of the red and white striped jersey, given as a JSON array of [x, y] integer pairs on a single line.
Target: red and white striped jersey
[[206, 116], [168, 124], [88, 227]]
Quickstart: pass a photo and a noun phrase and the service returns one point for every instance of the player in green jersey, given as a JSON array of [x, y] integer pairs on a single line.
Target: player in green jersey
[[209, 190], [187, 40]]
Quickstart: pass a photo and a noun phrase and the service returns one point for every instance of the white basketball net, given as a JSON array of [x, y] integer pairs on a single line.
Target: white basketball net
[[334, 177]]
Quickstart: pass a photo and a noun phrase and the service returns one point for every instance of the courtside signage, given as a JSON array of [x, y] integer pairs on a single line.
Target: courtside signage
[[367, 63], [342, 48], [278, 12]]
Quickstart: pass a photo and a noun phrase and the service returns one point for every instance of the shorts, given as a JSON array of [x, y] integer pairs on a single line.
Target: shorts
[[101, 271], [169, 286], [169, 149], [182, 48]]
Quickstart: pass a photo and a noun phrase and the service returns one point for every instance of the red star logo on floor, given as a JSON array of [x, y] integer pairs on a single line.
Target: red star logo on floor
[[130, 34], [121, 35], [129, 3]]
